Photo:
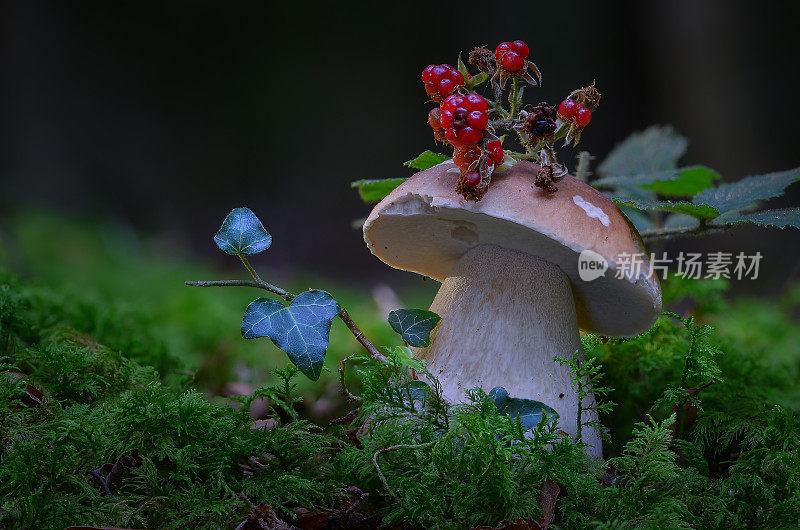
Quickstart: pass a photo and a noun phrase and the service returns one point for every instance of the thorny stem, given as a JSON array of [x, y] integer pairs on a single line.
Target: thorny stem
[[387, 450], [286, 295], [661, 233], [513, 97]]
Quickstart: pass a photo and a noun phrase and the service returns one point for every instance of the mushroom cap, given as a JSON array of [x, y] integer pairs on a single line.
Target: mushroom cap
[[425, 226]]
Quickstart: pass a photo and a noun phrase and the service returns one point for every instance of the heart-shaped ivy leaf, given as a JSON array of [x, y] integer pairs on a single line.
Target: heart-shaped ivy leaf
[[415, 325], [242, 233], [529, 412], [301, 329]]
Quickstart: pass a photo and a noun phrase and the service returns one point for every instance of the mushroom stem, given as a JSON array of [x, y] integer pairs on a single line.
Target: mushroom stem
[[505, 315]]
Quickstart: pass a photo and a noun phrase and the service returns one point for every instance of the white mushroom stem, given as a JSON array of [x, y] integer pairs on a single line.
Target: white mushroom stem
[[505, 315]]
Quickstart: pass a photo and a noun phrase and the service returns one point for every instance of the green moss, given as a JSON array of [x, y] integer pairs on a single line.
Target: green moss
[[113, 371]]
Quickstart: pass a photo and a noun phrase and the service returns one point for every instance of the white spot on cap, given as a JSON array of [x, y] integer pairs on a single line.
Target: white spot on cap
[[592, 210]]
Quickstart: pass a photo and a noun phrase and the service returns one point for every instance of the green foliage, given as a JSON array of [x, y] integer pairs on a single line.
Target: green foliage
[[642, 170], [681, 454], [527, 411], [242, 233], [654, 150], [300, 329], [586, 375], [426, 160], [414, 325], [375, 190], [439, 466], [98, 405]]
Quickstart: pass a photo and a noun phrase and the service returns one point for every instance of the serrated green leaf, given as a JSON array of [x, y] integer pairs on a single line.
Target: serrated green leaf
[[783, 218], [688, 182], [301, 329], [749, 190], [242, 233], [699, 211], [654, 150], [426, 160], [681, 182], [376, 190], [529, 412], [476, 80], [415, 325]]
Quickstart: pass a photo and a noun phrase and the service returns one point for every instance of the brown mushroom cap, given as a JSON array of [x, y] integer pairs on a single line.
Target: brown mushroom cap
[[424, 226]]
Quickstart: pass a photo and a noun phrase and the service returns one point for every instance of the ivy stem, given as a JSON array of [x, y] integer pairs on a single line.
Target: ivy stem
[[286, 295], [249, 268]]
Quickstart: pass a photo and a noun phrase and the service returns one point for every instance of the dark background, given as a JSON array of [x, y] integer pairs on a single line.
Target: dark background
[[164, 116]]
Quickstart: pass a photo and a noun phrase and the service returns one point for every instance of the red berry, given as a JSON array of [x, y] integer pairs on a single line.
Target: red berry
[[434, 118], [460, 116], [568, 108], [451, 103], [430, 88], [521, 48], [512, 61], [472, 154], [472, 178], [446, 85], [496, 151], [446, 118], [476, 102], [437, 72], [458, 78], [477, 119], [450, 134], [501, 49], [583, 116], [468, 135], [426, 74]]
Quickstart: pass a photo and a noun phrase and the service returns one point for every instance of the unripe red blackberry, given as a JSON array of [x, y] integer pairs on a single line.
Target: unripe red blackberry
[[441, 80]]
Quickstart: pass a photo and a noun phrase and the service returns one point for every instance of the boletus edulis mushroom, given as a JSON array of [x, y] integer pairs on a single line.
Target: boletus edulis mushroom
[[512, 297]]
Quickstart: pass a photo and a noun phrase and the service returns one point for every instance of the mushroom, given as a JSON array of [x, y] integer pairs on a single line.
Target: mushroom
[[512, 297]]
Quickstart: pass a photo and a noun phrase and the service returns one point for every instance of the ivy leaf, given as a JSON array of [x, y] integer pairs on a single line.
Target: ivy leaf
[[415, 325], [698, 211], [242, 233], [529, 412], [747, 191], [654, 150], [787, 217], [426, 160], [375, 190], [301, 329]]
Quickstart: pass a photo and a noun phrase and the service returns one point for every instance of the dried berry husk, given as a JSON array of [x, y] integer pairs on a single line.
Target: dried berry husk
[[544, 180], [484, 59], [591, 97]]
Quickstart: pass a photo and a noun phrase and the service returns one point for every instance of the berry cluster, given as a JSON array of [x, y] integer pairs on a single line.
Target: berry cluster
[[441, 80], [468, 122], [572, 111], [464, 118], [467, 157], [540, 122], [511, 55]]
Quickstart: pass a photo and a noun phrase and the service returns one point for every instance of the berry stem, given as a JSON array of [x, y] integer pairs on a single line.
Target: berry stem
[[513, 97]]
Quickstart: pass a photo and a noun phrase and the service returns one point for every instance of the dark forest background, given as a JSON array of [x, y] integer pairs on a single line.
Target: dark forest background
[[162, 116]]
